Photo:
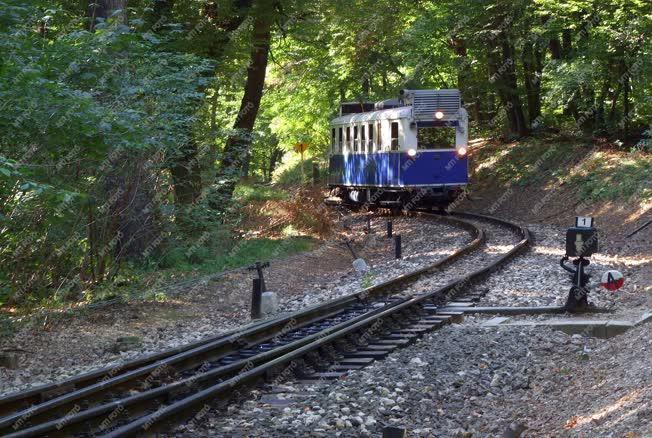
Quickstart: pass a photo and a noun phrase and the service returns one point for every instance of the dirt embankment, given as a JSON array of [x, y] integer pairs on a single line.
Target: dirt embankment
[[550, 181]]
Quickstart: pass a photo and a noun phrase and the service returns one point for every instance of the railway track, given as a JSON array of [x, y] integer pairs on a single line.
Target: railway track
[[153, 393]]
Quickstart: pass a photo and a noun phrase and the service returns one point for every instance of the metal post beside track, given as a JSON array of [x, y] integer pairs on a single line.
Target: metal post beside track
[[256, 299], [397, 247]]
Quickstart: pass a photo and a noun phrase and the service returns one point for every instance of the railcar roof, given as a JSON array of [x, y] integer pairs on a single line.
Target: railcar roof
[[391, 113]]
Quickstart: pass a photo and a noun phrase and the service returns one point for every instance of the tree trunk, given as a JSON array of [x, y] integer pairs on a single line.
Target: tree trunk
[[532, 68], [366, 87], [160, 13], [186, 174], [566, 43], [503, 73], [625, 101], [600, 121], [555, 48], [614, 102], [186, 166], [104, 9], [237, 145], [274, 158], [463, 71]]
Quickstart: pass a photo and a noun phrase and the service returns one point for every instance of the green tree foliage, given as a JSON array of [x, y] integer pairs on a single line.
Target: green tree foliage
[[91, 124], [124, 131]]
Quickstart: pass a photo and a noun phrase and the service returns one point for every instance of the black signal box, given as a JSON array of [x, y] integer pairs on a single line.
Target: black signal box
[[581, 241]]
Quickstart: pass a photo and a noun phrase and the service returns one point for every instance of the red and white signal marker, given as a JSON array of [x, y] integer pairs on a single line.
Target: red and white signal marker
[[612, 280]]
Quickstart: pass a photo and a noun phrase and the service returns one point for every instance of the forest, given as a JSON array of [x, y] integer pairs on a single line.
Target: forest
[[127, 127]]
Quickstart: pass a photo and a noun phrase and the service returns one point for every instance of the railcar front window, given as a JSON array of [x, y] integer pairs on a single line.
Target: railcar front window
[[436, 138], [394, 136]]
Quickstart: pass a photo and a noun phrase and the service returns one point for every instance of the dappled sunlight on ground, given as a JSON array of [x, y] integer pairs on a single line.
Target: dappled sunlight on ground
[[441, 252], [623, 404], [627, 261], [498, 249], [492, 161], [604, 259], [635, 215], [547, 250]]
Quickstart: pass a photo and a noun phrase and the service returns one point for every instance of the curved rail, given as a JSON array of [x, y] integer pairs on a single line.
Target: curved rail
[[186, 407], [92, 387]]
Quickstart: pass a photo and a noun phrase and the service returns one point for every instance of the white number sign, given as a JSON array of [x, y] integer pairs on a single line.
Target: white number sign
[[584, 222]]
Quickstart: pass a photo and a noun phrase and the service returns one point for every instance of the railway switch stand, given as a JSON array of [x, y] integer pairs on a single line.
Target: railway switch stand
[[581, 242], [348, 243], [258, 288]]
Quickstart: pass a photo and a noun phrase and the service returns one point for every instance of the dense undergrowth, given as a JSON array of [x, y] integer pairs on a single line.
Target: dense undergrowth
[[271, 222]]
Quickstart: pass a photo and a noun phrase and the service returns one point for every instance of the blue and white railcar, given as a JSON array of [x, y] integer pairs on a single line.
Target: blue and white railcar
[[407, 150]]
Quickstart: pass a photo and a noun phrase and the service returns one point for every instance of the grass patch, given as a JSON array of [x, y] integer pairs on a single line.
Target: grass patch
[[152, 284], [248, 251], [251, 192], [609, 176], [595, 174], [526, 162]]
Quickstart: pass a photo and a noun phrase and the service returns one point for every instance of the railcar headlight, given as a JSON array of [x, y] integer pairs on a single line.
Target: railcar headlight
[[412, 153], [461, 151], [439, 115]]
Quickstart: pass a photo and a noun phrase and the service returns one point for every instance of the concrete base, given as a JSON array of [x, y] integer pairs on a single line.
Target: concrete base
[[268, 304], [646, 317], [586, 327], [360, 265]]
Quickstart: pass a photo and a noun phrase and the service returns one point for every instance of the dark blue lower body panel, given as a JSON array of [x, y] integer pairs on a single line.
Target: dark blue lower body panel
[[398, 170]]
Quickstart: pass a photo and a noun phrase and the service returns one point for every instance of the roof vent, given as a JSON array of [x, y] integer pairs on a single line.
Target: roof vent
[[425, 103]]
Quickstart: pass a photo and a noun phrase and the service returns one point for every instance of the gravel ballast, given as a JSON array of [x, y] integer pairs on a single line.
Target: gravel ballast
[[465, 381], [86, 340]]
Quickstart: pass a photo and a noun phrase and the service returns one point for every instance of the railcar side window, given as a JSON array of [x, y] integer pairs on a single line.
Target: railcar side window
[[348, 139], [363, 142], [370, 145], [394, 136], [340, 140], [333, 144], [355, 139], [379, 141]]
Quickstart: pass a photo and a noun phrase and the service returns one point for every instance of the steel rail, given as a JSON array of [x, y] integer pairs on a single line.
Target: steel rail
[[174, 412], [152, 421], [95, 384]]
